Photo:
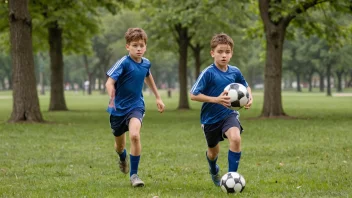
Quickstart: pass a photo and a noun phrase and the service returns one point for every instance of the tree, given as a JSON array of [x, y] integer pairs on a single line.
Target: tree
[[276, 16], [183, 22], [25, 98], [343, 66], [70, 30]]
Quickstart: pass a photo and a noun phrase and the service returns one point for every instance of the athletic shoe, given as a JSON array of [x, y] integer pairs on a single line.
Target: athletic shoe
[[124, 166], [216, 178], [136, 181]]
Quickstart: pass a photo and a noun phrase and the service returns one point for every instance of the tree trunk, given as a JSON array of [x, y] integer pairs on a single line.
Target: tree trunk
[[183, 43], [339, 75], [328, 76], [196, 53], [57, 98], [275, 34], [25, 97], [349, 84], [275, 29], [310, 79], [345, 78], [2, 81], [321, 81], [272, 106], [298, 80]]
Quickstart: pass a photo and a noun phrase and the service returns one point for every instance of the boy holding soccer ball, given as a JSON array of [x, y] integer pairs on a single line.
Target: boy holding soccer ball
[[218, 121], [126, 107]]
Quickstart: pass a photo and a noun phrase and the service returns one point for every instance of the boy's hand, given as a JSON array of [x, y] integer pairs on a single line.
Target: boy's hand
[[160, 105], [112, 103], [223, 99], [249, 104], [112, 100]]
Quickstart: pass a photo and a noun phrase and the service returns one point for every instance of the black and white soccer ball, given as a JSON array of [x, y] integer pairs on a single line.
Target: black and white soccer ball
[[239, 95], [232, 182]]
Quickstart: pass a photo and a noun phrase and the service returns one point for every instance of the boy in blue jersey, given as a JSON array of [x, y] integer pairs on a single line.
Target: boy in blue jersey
[[126, 106], [218, 121]]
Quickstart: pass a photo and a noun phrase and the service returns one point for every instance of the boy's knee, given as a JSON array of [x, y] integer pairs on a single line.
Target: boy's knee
[[134, 136], [234, 138]]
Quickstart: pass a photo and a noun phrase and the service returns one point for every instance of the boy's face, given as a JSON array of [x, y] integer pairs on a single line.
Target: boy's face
[[136, 49], [222, 54]]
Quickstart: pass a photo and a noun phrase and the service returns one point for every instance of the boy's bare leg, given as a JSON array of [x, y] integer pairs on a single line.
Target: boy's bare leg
[[212, 156], [120, 145], [136, 148], [212, 153], [135, 138], [234, 138]]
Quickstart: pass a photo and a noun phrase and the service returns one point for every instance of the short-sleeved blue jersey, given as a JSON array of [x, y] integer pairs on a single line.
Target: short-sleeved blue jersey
[[129, 76], [211, 82]]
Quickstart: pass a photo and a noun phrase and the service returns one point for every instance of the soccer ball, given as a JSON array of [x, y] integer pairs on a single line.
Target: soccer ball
[[239, 95], [232, 182]]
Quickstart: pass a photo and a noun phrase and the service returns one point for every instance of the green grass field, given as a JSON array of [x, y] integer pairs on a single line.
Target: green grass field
[[72, 154]]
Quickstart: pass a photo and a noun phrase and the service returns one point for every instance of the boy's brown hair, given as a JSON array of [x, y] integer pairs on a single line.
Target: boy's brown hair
[[135, 34], [221, 38]]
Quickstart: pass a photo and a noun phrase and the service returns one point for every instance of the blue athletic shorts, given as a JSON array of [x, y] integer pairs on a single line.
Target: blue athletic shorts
[[214, 133], [119, 124]]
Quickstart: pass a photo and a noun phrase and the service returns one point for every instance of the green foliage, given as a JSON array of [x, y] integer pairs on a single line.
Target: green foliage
[[4, 27], [78, 19], [112, 33], [72, 155], [203, 19]]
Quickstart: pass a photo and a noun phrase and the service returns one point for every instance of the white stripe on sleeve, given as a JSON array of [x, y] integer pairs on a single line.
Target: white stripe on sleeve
[[117, 65], [199, 78]]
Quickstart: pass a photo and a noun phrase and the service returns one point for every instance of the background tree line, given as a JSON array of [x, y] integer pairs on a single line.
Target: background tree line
[[67, 43]]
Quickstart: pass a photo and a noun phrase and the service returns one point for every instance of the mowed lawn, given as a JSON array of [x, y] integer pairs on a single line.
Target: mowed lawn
[[72, 154]]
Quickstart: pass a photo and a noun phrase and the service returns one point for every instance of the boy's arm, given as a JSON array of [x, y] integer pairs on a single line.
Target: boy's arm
[[222, 99], [110, 88], [149, 80]]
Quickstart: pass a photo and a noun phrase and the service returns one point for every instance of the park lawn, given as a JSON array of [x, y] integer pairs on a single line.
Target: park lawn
[[72, 154]]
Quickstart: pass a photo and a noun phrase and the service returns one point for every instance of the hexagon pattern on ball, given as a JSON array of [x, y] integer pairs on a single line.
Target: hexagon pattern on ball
[[232, 182], [239, 95]]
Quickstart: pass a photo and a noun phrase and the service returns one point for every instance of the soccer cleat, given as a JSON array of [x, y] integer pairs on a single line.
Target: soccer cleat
[[124, 166], [216, 178], [136, 181]]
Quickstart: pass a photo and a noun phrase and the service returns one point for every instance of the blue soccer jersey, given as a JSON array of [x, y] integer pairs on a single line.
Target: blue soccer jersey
[[211, 82], [129, 76]]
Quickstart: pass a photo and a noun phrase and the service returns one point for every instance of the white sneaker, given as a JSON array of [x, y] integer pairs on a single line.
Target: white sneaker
[[136, 181]]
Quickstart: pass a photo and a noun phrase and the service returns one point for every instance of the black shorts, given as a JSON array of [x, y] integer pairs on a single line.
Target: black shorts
[[214, 133], [119, 124]]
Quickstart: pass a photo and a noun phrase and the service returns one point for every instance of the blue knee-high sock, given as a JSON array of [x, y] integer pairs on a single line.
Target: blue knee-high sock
[[134, 164], [122, 155], [212, 164], [234, 160]]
